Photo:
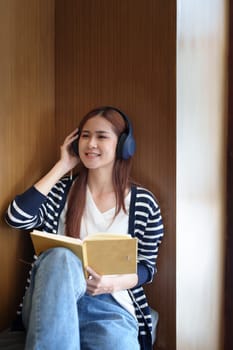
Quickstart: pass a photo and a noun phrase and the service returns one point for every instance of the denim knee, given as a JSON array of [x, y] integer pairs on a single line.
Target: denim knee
[[60, 254], [62, 262]]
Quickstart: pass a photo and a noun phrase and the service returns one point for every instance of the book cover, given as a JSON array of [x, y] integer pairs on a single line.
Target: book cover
[[105, 253]]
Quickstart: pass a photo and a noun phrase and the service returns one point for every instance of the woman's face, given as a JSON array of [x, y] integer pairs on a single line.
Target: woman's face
[[97, 144]]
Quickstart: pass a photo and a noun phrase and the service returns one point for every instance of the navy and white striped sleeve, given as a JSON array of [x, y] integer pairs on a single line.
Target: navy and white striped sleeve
[[25, 211], [149, 230]]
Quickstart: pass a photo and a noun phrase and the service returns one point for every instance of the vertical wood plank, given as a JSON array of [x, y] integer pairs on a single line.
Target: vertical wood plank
[[27, 106]]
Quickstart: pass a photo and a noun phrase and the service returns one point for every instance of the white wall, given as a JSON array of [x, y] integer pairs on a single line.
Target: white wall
[[201, 120]]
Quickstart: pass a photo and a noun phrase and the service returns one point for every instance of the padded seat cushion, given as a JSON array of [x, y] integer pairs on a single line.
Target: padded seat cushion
[[12, 340]]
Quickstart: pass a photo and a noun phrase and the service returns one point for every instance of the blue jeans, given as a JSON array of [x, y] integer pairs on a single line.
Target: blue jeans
[[59, 315]]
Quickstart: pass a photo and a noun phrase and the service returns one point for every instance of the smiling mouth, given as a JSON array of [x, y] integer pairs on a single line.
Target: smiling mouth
[[92, 154]]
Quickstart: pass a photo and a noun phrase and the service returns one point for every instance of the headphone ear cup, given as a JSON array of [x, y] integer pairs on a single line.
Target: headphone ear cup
[[125, 147], [128, 148]]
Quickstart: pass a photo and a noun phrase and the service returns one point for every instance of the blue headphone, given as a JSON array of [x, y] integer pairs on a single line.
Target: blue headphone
[[126, 143]]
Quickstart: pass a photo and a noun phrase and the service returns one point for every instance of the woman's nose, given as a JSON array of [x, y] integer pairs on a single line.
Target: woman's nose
[[92, 142]]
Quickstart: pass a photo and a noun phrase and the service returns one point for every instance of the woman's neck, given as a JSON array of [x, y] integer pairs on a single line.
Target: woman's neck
[[99, 182]]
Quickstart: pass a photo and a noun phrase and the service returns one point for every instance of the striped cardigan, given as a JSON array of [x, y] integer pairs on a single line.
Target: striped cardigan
[[34, 210]]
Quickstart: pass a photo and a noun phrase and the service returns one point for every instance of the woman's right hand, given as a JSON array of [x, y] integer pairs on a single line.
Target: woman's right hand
[[68, 159]]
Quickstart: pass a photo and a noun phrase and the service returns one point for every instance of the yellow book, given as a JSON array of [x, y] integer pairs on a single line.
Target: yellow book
[[105, 253]]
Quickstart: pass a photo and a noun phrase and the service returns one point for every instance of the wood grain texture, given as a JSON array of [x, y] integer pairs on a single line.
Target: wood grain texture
[[123, 53], [27, 106]]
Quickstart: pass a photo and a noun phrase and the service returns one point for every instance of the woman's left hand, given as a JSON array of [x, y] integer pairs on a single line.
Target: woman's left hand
[[98, 284], [102, 284]]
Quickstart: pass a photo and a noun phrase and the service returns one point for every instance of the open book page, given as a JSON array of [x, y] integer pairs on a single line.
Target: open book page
[[53, 236], [106, 253], [107, 235], [43, 241]]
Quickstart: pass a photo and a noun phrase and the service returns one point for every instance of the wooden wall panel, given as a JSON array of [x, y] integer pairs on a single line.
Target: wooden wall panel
[[124, 53], [27, 123]]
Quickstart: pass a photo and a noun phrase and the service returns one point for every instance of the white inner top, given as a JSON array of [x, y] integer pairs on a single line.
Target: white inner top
[[94, 221]]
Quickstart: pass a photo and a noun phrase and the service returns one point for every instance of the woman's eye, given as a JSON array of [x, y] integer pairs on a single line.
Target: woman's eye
[[97, 136]]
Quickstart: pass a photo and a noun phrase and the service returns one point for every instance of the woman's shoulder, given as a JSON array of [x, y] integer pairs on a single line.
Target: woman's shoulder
[[143, 194]]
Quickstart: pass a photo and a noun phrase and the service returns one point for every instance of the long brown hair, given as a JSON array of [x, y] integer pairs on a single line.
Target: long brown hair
[[120, 176]]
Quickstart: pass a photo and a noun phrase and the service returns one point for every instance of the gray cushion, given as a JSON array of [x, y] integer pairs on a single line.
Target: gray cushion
[[12, 340], [155, 319]]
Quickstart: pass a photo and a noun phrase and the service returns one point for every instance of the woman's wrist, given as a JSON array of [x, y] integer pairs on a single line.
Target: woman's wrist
[[61, 168], [122, 282]]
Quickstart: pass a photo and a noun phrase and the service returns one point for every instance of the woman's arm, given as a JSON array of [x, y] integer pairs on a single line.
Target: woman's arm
[[68, 160], [25, 211], [149, 231]]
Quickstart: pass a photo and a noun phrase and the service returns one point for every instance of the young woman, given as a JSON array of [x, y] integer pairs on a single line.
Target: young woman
[[61, 309]]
